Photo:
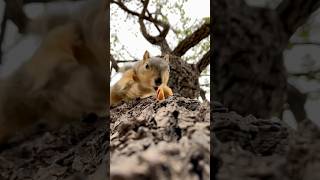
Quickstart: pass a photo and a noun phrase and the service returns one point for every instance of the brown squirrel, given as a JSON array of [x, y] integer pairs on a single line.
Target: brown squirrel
[[64, 80], [147, 77]]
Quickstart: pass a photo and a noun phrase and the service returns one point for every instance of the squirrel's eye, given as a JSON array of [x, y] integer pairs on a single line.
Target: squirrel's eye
[[147, 66]]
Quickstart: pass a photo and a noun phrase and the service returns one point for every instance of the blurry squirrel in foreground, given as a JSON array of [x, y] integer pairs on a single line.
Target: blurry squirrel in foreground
[[64, 80], [146, 78]]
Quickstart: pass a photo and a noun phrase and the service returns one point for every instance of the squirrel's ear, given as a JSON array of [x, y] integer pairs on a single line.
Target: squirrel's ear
[[146, 56], [166, 57]]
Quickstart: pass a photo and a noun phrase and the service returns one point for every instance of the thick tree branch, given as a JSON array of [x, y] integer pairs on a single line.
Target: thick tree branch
[[157, 40], [203, 62], [294, 13], [192, 40]]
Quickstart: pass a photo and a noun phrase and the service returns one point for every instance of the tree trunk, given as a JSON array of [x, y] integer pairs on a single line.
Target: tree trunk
[[249, 148], [184, 78], [249, 70]]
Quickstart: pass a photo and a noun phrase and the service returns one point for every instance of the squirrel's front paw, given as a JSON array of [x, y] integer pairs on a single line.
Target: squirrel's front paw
[[163, 92]]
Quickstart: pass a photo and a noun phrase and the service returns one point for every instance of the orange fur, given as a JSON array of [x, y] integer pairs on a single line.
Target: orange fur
[[140, 80]]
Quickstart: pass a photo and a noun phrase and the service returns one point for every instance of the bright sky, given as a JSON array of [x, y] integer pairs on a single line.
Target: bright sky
[[129, 34]]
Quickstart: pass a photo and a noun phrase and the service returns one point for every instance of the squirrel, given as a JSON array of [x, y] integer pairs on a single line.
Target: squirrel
[[148, 77], [64, 80]]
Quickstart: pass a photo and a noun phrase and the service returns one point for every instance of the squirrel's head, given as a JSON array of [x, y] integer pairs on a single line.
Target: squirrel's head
[[153, 71]]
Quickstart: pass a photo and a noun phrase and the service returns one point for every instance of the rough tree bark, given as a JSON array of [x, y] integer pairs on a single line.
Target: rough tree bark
[[167, 140], [251, 79], [184, 78], [248, 53], [75, 150], [249, 43], [249, 148], [149, 139], [171, 138]]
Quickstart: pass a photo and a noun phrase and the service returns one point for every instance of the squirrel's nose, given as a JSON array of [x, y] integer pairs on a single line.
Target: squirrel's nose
[[158, 81]]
